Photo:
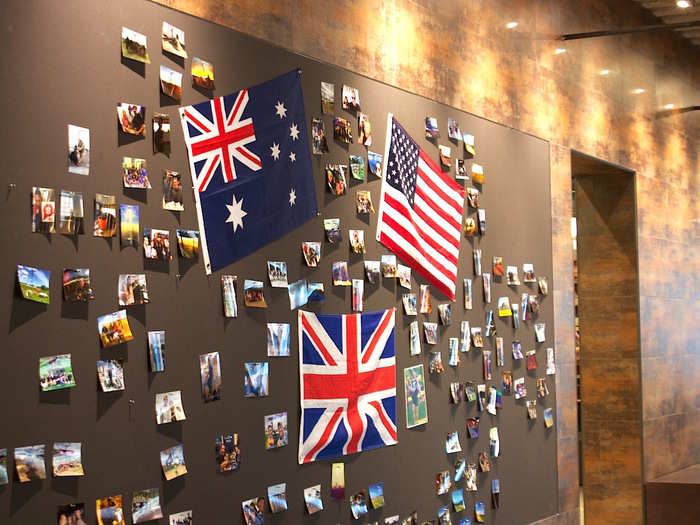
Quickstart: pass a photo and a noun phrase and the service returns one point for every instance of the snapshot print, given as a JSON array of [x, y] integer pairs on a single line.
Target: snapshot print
[[210, 374], [172, 191], [277, 272], [109, 511], [276, 431], [253, 294], [256, 379], [114, 329], [202, 74], [156, 350], [351, 98], [335, 178], [364, 129], [358, 505], [416, 404], [71, 514], [342, 130], [67, 459], [134, 173], [319, 144], [171, 83], [173, 462], [4, 480], [228, 453], [105, 215], [173, 40], [161, 133], [376, 495], [34, 283], [134, 46], [312, 498], [156, 244], [70, 218], [43, 210], [254, 511], [78, 150], [228, 292], [340, 274], [374, 161], [312, 253], [278, 339], [30, 463], [277, 497], [145, 506], [129, 224], [187, 243], [169, 407], [327, 97], [132, 289], [298, 294], [132, 119], [110, 375], [332, 229], [56, 372], [181, 518]]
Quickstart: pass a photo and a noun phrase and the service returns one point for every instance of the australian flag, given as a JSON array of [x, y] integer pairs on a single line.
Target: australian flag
[[251, 168]]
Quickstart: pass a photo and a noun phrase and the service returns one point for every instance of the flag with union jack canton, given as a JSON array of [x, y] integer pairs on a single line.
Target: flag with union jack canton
[[347, 369], [251, 168]]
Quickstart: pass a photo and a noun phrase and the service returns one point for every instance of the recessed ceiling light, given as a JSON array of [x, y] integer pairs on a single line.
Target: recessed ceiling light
[[669, 106], [604, 72], [512, 25], [684, 4], [638, 91], [559, 51]]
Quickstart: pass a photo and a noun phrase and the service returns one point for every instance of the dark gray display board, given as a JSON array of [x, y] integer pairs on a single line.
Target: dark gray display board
[[62, 65]]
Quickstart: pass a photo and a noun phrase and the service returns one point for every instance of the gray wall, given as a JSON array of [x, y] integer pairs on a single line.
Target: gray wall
[[62, 66]]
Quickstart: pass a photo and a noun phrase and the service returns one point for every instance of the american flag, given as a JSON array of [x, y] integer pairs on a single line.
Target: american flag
[[420, 210], [347, 369]]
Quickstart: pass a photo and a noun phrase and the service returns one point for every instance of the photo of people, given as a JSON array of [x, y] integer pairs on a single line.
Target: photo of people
[[374, 161], [253, 294], [470, 482], [372, 271], [156, 244], [43, 210], [416, 404], [335, 177], [277, 272], [3, 467], [173, 462], [507, 382], [461, 170], [110, 375], [276, 431], [357, 167], [169, 407], [426, 305], [319, 144], [132, 289], [202, 74], [277, 497], [256, 379], [312, 498], [531, 408], [29, 463], [452, 444], [533, 306], [187, 243], [56, 372], [431, 333], [473, 427], [327, 97], [431, 128], [340, 274], [78, 150], [357, 241], [332, 229], [156, 350], [67, 460], [519, 388], [477, 338], [228, 453], [484, 463], [210, 376], [114, 329], [105, 215], [542, 390], [298, 294], [70, 219], [134, 173], [517, 350], [453, 130], [173, 40], [129, 224], [132, 119], [436, 362], [134, 46], [109, 511], [528, 273], [181, 518], [351, 98], [443, 482], [409, 304], [542, 285], [71, 514], [171, 83], [358, 505], [512, 275], [254, 511], [161, 133], [278, 339], [342, 130], [376, 495], [172, 191], [228, 292], [364, 129], [34, 283], [389, 266], [445, 313], [145, 506], [414, 346], [311, 252]]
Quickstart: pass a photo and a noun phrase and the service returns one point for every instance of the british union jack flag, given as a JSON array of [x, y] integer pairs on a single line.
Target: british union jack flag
[[347, 368]]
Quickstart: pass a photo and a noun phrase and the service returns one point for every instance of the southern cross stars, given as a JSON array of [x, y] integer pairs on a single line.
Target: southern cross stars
[[236, 213], [280, 109], [275, 150], [294, 132], [292, 156], [292, 197]]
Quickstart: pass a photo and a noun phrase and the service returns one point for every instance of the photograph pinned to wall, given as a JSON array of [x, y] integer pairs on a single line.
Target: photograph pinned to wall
[[478, 176], [30, 464], [542, 285], [548, 417], [358, 505], [454, 351], [495, 493], [376, 495], [364, 128], [469, 145], [256, 379], [409, 304], [312, 253], [551, 368], [477, 338], [517, 349], [484, 463], [477, 261], [172, 191], [332, 229], [524, 307], [460, 469], [480, 512], [504, 307], [278, 339], [542, 390], [358, 294], [388, 266], [435, 365], [363, 201], [228, 452], [470, 227], [403, 273], [499, 352], [490, 324], [67, 459], [338, 481], [443, 482], [4, 478], [456, 392], [110, 375], [481, 216], [105, 224], [431, 128], [528, 273], [312, 498], [414, 335], [473, 427], [540, 332], [70, 218], [470, 480], [351, 98], [319, 143], [340, 274], [132, 289], [452, 444], [445, 313], [129, 224], [78, 150], [298, 294], [56, 372], [228, 293], [171, 83], [169, 407], [342, 130], [277, 497], [173, 40], [316, 293], [202, 74], [254, 511], [465, 342], [519, 388], [470, 391], [335, 178], [114, 329], [145, 505], [156, 244], [512, 275], [515, 309], [498, 269], [443, 515], [461, 170], [533, 306], [374, 161], [132, 119], [467, 294], [277, 273], [180, 518], [473, 199], [372, 269], [134, 46], [109, 510], [34, 283], [458, 500], [486, 357], [357, 241], [43, 210], [253, 294], [431, 333], [357, 167], [135, 173], [531, 360], [71, 514], [276, 431], [327, 97], [210, 376], [531, 408], [187, 243], [172, 460], [445, 156], [486, 281], [424, 300], [416, 404], [507, 382], [453, 130]]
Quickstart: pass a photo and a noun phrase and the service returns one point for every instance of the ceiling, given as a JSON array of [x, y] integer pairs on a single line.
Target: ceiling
[[670, 13]]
